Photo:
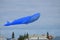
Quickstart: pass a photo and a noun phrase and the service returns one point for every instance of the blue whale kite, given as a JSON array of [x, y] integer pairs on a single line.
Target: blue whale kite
[[24, 20]]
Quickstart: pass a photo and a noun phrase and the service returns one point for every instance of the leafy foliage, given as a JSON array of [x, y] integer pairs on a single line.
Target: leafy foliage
[[12, 34], [22, 37]]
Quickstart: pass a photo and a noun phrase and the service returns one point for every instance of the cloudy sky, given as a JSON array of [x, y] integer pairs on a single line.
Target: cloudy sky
[[49, 20]]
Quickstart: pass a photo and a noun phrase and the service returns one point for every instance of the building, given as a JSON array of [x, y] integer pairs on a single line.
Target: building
[[37, 37]]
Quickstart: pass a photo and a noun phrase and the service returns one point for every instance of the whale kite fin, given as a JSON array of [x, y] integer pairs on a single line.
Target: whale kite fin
[[8, 22]]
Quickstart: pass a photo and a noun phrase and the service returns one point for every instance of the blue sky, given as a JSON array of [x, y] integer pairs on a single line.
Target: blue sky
[[49, 20]]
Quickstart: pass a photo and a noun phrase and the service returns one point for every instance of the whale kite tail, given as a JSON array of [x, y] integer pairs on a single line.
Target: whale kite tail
[[7, 24]]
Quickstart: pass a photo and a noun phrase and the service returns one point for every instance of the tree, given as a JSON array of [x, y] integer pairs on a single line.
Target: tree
[[12, 35], [23, 37], [27, 35], [47, 35]]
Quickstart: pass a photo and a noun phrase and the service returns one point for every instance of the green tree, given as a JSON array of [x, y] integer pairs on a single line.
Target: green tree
[[22, 37], [12, 34], [27, 35], [47, 35]]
